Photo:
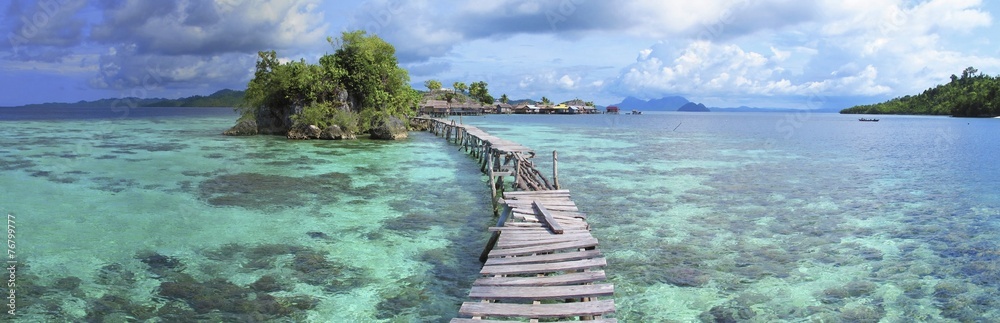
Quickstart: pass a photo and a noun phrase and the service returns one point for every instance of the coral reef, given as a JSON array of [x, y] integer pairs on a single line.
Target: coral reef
[[686, 277], [273, 192]]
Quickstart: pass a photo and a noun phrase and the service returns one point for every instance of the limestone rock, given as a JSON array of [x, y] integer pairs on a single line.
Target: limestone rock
[[391, 128], [304, 132], [420, 125], [335, 133], [243, 128]]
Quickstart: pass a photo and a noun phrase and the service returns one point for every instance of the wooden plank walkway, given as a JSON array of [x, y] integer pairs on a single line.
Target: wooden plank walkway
[[542, 261]]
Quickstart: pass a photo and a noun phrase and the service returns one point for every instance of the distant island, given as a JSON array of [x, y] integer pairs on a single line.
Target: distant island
[[678, 103], [220, 99], [693, 107], [667, 103], [969, 95]]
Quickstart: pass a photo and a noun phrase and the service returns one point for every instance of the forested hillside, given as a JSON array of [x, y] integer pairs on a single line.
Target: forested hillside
[[968, 95]]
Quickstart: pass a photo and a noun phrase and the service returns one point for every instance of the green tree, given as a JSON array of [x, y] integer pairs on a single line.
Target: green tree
[[373, 77], [479, 92], [432, 85], [363, 67], [545, 101], [504, 99], [460, 87], [971, 95]]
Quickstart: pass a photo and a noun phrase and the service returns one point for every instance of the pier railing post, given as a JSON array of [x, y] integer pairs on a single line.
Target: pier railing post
[[555, 169], [496, 234]]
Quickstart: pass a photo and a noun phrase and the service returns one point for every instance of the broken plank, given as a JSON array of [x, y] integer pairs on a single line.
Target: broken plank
[[548, 218]]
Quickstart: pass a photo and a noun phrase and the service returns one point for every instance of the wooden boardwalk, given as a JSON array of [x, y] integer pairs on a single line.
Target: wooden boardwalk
[[541, 261]]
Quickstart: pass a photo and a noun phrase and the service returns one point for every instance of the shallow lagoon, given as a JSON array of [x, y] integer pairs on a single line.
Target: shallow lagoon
[[752, 217], [784, 217], [162, 217]]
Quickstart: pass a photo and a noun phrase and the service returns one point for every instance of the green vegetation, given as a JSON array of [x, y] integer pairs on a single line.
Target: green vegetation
[[969, 95], [358, 85], [432, 85], [460, 87], [222, 98], [479, 92]]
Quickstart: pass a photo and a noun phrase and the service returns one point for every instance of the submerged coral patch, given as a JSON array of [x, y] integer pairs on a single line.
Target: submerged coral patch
[[150, 147], [273, 192], [15, 163], [114, 185]]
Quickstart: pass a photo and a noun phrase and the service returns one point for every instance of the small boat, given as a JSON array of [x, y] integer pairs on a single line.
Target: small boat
[[636, 112], [868, 120]]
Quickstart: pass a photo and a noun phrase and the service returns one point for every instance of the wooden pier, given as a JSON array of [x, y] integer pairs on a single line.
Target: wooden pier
[[541, 261]]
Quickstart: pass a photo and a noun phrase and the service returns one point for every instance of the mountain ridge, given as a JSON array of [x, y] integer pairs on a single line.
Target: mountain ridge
[[225, 98]]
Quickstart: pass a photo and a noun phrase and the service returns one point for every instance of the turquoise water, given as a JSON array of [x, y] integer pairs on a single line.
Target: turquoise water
[[703, 217], [784, 217], [164, 218]]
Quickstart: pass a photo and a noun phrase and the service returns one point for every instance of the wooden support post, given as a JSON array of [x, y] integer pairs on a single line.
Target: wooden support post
[[517, 171], [493, 187], [555, 169], [496, 234]]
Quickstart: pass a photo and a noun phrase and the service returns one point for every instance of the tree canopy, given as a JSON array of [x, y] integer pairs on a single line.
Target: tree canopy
[[460, 87], [968, 95], [479, 92], [357, 85], [432, 85]]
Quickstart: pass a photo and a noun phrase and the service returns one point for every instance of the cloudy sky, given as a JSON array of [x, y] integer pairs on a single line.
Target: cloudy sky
[[773, 53]]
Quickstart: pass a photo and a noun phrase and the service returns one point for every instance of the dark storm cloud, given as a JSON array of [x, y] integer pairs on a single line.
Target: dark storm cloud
[[747, 17], [124, 68], [43, 30], [421, 29], [168, 28], [194, 42]]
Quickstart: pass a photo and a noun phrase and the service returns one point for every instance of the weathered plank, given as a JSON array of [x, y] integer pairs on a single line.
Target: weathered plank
[[584, 243], [536, 235], [518, 243], [538, 227], [538, 310], [553, 257], [547, 202], [555, 214], [464, 320], [553, 280], [548, 192], [549, 267], [541, 292]]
